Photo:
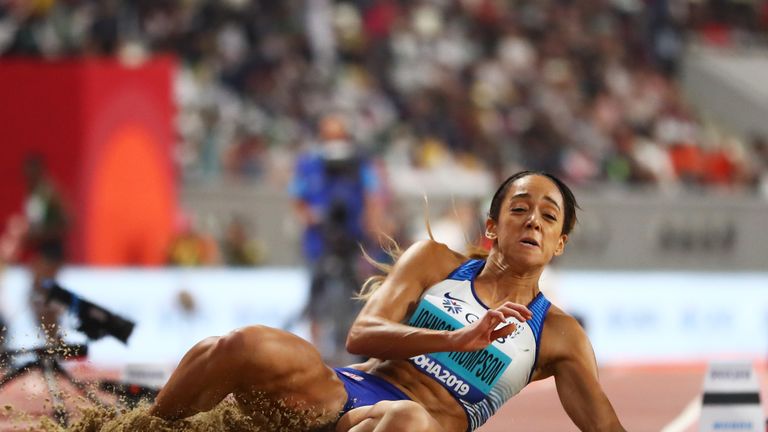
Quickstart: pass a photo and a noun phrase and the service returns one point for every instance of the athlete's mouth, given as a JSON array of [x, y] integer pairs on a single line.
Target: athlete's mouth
[[529, 241]]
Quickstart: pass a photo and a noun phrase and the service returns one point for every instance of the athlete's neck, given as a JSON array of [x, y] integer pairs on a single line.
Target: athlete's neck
[[499, 282]]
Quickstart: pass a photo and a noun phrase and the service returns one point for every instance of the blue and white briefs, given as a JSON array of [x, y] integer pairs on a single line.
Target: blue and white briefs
[[364, 389]]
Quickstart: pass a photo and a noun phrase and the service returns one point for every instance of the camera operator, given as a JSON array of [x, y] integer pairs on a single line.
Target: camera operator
[[336, 192], [45, 240]]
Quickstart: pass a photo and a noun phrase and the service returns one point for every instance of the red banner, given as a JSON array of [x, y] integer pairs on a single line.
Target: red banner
[[106, 133]]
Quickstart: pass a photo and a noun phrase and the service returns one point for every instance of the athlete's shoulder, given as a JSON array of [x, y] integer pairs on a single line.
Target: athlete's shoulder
[[563, 334], [560, 321], [429, 258], [435, 251]]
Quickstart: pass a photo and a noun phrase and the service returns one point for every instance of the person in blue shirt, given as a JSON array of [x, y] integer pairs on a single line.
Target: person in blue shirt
[[335, 189]]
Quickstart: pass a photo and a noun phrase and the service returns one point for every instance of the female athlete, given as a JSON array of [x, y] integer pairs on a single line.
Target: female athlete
[[450, 339]]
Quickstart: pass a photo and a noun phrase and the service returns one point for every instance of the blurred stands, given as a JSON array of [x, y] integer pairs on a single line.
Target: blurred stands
[[585, 89], [471, 89]]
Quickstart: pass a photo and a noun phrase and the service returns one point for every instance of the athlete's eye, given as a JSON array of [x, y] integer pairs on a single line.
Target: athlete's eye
[[551, 217], [518, 209]]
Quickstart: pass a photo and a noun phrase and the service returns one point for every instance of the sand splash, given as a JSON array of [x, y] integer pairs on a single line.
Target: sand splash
[[227, 416], [260, 414]]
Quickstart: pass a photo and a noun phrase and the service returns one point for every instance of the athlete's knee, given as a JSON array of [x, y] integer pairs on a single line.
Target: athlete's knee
[[407, 410], [244, 343], [230, 346], [408, 415]]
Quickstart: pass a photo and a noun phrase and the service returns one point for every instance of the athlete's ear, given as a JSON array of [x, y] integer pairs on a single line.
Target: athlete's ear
[[490, 229], [561, 242]]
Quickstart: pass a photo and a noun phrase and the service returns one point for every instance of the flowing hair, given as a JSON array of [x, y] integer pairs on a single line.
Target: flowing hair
[[394, 251], [473, 250]]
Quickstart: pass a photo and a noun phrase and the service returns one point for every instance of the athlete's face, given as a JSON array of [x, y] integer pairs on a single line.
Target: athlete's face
[[530, 223]]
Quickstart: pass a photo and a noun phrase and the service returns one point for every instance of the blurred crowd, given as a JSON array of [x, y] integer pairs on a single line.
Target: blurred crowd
[[195, 245], [585, 89]]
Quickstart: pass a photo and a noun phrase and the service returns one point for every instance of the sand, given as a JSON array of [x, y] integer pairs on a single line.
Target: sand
[[259, 414]]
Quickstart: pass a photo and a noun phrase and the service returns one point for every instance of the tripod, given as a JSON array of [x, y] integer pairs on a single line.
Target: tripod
[[47, 362]]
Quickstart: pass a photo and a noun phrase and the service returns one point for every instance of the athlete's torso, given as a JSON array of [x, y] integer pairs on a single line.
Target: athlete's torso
[[480, 381]]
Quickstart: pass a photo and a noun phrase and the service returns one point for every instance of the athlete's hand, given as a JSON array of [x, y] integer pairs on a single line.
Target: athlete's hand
[[482, 332]]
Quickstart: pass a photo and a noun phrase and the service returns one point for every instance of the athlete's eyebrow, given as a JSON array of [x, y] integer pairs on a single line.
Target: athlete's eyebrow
[[546, 197]]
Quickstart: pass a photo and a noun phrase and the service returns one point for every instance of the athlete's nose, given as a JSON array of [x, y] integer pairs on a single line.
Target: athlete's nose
[[533, 222]]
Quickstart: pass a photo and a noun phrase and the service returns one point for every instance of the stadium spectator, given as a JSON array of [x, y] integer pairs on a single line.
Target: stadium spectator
[[47, 223], [191, 246], [238, 248], [759, 145]]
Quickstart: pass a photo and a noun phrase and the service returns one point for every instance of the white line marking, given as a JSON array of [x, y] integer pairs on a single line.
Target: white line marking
[[686, 418]]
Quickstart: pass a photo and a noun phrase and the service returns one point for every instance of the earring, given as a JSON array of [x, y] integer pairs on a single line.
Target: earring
[[490, 235]]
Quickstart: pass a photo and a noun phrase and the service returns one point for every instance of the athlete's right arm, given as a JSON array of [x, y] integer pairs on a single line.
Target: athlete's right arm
[[379, 331]]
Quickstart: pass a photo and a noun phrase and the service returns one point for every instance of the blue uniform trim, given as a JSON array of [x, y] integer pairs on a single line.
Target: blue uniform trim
[[539, 306], [364, 389], [467, 270]]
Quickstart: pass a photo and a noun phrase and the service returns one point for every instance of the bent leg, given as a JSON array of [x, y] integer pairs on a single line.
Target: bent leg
[[389, 416], [250, 361]]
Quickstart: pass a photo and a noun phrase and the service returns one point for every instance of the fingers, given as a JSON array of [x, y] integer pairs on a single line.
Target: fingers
[[492, 319], [504, 331], [511, 313], [527, 314], [495, 318], [518, 311]]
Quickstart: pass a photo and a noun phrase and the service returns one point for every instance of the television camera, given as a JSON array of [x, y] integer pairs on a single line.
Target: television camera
[[95, 322]]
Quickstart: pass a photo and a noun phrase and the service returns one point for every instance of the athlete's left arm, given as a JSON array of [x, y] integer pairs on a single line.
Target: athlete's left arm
[[568, 356]]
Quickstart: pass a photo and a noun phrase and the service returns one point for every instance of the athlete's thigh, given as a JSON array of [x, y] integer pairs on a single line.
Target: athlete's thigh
[[286, 367], [389, 416]]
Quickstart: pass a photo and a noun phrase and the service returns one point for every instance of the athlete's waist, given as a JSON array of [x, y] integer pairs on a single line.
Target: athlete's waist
[[444, 407]]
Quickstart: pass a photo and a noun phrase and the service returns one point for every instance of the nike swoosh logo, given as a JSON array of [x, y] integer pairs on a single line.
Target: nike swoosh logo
[[448, 296]]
